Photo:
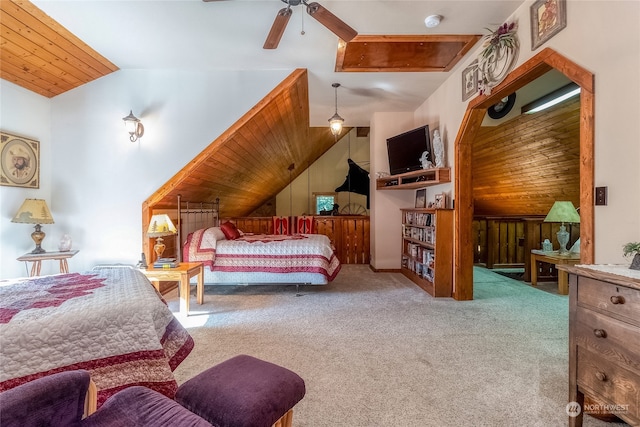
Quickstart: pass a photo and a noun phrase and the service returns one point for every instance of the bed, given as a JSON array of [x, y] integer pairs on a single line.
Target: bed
[[232, 257], [108, 321]]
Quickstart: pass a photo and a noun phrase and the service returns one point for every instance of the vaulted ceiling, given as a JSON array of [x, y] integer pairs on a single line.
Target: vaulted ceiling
[[254, 155]]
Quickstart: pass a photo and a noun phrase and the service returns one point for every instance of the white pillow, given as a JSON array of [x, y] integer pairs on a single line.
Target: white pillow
[[217, 233]]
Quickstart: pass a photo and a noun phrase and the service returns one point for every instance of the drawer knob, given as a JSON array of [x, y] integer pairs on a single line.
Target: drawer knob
[[601, 376], [600, 333], [617, 299]]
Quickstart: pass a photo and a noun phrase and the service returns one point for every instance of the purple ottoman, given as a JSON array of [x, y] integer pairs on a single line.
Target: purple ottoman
[[243, 392]]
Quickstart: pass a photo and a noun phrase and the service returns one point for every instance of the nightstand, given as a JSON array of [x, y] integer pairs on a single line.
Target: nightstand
[[182, 274], [37, 259]]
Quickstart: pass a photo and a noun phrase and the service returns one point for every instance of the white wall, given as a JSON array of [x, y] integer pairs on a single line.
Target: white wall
[[25, 114], [100, 178], [602, 37], [385, 205], [324, 176]]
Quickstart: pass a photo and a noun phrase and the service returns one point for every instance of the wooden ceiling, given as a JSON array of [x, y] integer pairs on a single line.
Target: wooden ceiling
[[521, 166], [412, 53], [249, 163], [39, 54]]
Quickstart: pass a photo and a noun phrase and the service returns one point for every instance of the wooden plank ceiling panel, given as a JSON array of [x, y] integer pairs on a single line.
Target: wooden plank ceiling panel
[[506, 182], [403, 53], [248, 164], [41, 55]]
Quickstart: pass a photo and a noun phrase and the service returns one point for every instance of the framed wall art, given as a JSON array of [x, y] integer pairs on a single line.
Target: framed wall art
[[548, 18], [441, 201], [421, 198], [19, 161], [470, 81]]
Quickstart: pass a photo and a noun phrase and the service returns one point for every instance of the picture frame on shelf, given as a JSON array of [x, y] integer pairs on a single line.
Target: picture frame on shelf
[[421, 198], [19, 161], [548, 18], [440, 201], [470, 81]]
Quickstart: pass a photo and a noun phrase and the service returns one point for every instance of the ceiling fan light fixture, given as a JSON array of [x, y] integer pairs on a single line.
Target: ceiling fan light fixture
[[432, 21]]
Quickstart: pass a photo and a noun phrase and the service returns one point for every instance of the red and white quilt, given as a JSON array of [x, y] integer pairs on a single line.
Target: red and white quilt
[[110, 322], [268, 253]]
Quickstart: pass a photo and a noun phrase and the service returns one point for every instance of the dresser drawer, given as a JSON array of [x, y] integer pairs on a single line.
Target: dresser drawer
[[613, 339], [614, 299], [610, 383]]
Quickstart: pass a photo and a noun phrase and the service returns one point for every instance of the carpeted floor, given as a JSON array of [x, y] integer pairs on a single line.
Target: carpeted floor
[[376, 350]]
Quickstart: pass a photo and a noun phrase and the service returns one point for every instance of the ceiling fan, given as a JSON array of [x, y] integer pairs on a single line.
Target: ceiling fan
[[317, 11]]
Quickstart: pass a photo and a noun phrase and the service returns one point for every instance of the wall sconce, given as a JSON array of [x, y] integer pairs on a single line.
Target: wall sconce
[[335, 122], [134, 126], [551, 99]]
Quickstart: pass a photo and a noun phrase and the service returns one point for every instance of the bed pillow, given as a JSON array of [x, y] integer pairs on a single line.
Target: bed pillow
[[230, 230], [304, 224], [218, 233]]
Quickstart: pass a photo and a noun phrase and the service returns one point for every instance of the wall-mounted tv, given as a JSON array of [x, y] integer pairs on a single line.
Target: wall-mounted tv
[[406, 149]]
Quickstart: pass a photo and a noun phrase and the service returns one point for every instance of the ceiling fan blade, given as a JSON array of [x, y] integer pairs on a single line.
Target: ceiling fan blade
[[277, 29], [331, 21]]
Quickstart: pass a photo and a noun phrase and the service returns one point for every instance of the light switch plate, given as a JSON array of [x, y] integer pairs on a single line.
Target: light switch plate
[[601, 196]]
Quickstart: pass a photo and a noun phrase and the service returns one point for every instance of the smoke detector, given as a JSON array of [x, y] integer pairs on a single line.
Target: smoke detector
[[432, 21]]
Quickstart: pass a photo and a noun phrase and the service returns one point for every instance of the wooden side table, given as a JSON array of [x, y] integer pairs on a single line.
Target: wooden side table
[[182, 274], [36, 260], [553, 258]]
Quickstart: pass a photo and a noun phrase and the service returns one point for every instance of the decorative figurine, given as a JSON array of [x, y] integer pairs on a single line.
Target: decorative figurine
[[424, 159], [438, 149]]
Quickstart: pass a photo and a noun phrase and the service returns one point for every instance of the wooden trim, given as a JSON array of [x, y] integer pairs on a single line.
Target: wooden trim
[[535, 67], [91, 399]]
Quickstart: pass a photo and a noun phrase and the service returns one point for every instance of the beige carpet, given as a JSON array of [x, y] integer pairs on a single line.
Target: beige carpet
[[375, 350]]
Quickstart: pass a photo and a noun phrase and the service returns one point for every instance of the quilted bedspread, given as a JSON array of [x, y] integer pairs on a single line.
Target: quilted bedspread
[[297, 253], [110, 322]]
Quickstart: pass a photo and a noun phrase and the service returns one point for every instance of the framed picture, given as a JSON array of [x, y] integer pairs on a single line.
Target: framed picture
[[20, 161], [470, 81], [421, 198], [441, 201], [548, 18]]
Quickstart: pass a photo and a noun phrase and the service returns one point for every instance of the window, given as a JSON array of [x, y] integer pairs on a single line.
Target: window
[[323, 202]]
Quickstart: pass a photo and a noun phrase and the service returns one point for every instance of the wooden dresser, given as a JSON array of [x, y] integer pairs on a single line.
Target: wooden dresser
[[604, 341]]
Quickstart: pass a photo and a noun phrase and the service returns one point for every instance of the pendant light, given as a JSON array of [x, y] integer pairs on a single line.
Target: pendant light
[[335, 122]]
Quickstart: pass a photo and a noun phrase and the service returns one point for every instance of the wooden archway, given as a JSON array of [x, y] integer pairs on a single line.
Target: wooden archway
[[535, 67]]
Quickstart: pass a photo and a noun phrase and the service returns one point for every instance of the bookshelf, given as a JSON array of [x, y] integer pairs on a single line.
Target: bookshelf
[[427, 249]]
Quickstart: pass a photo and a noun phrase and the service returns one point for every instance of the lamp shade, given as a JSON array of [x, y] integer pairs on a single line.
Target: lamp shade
[[160, 226], [563, 212], [33, 211]]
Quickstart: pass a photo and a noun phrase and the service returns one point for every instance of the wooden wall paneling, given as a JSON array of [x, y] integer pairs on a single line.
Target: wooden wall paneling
[[328, 226], [480, 241]]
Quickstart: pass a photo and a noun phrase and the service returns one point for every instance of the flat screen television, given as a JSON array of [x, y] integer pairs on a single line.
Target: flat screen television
[[405, 150]]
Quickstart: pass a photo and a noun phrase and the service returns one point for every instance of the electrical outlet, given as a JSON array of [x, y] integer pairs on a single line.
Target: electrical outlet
[[601, 196]]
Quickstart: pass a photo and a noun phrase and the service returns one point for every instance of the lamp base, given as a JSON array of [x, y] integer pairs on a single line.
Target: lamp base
[[38, 237], [159, 247], [563, 239]]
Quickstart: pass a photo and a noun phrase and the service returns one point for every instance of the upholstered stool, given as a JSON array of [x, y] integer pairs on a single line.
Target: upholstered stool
[[243, 392]]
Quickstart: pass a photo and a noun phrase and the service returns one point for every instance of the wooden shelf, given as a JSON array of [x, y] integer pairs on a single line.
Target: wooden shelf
[[427, 249], [416, 179]]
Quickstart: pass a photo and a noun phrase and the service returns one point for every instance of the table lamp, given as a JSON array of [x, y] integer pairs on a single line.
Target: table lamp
[[160, 226], [563, 212], [34, 211]]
